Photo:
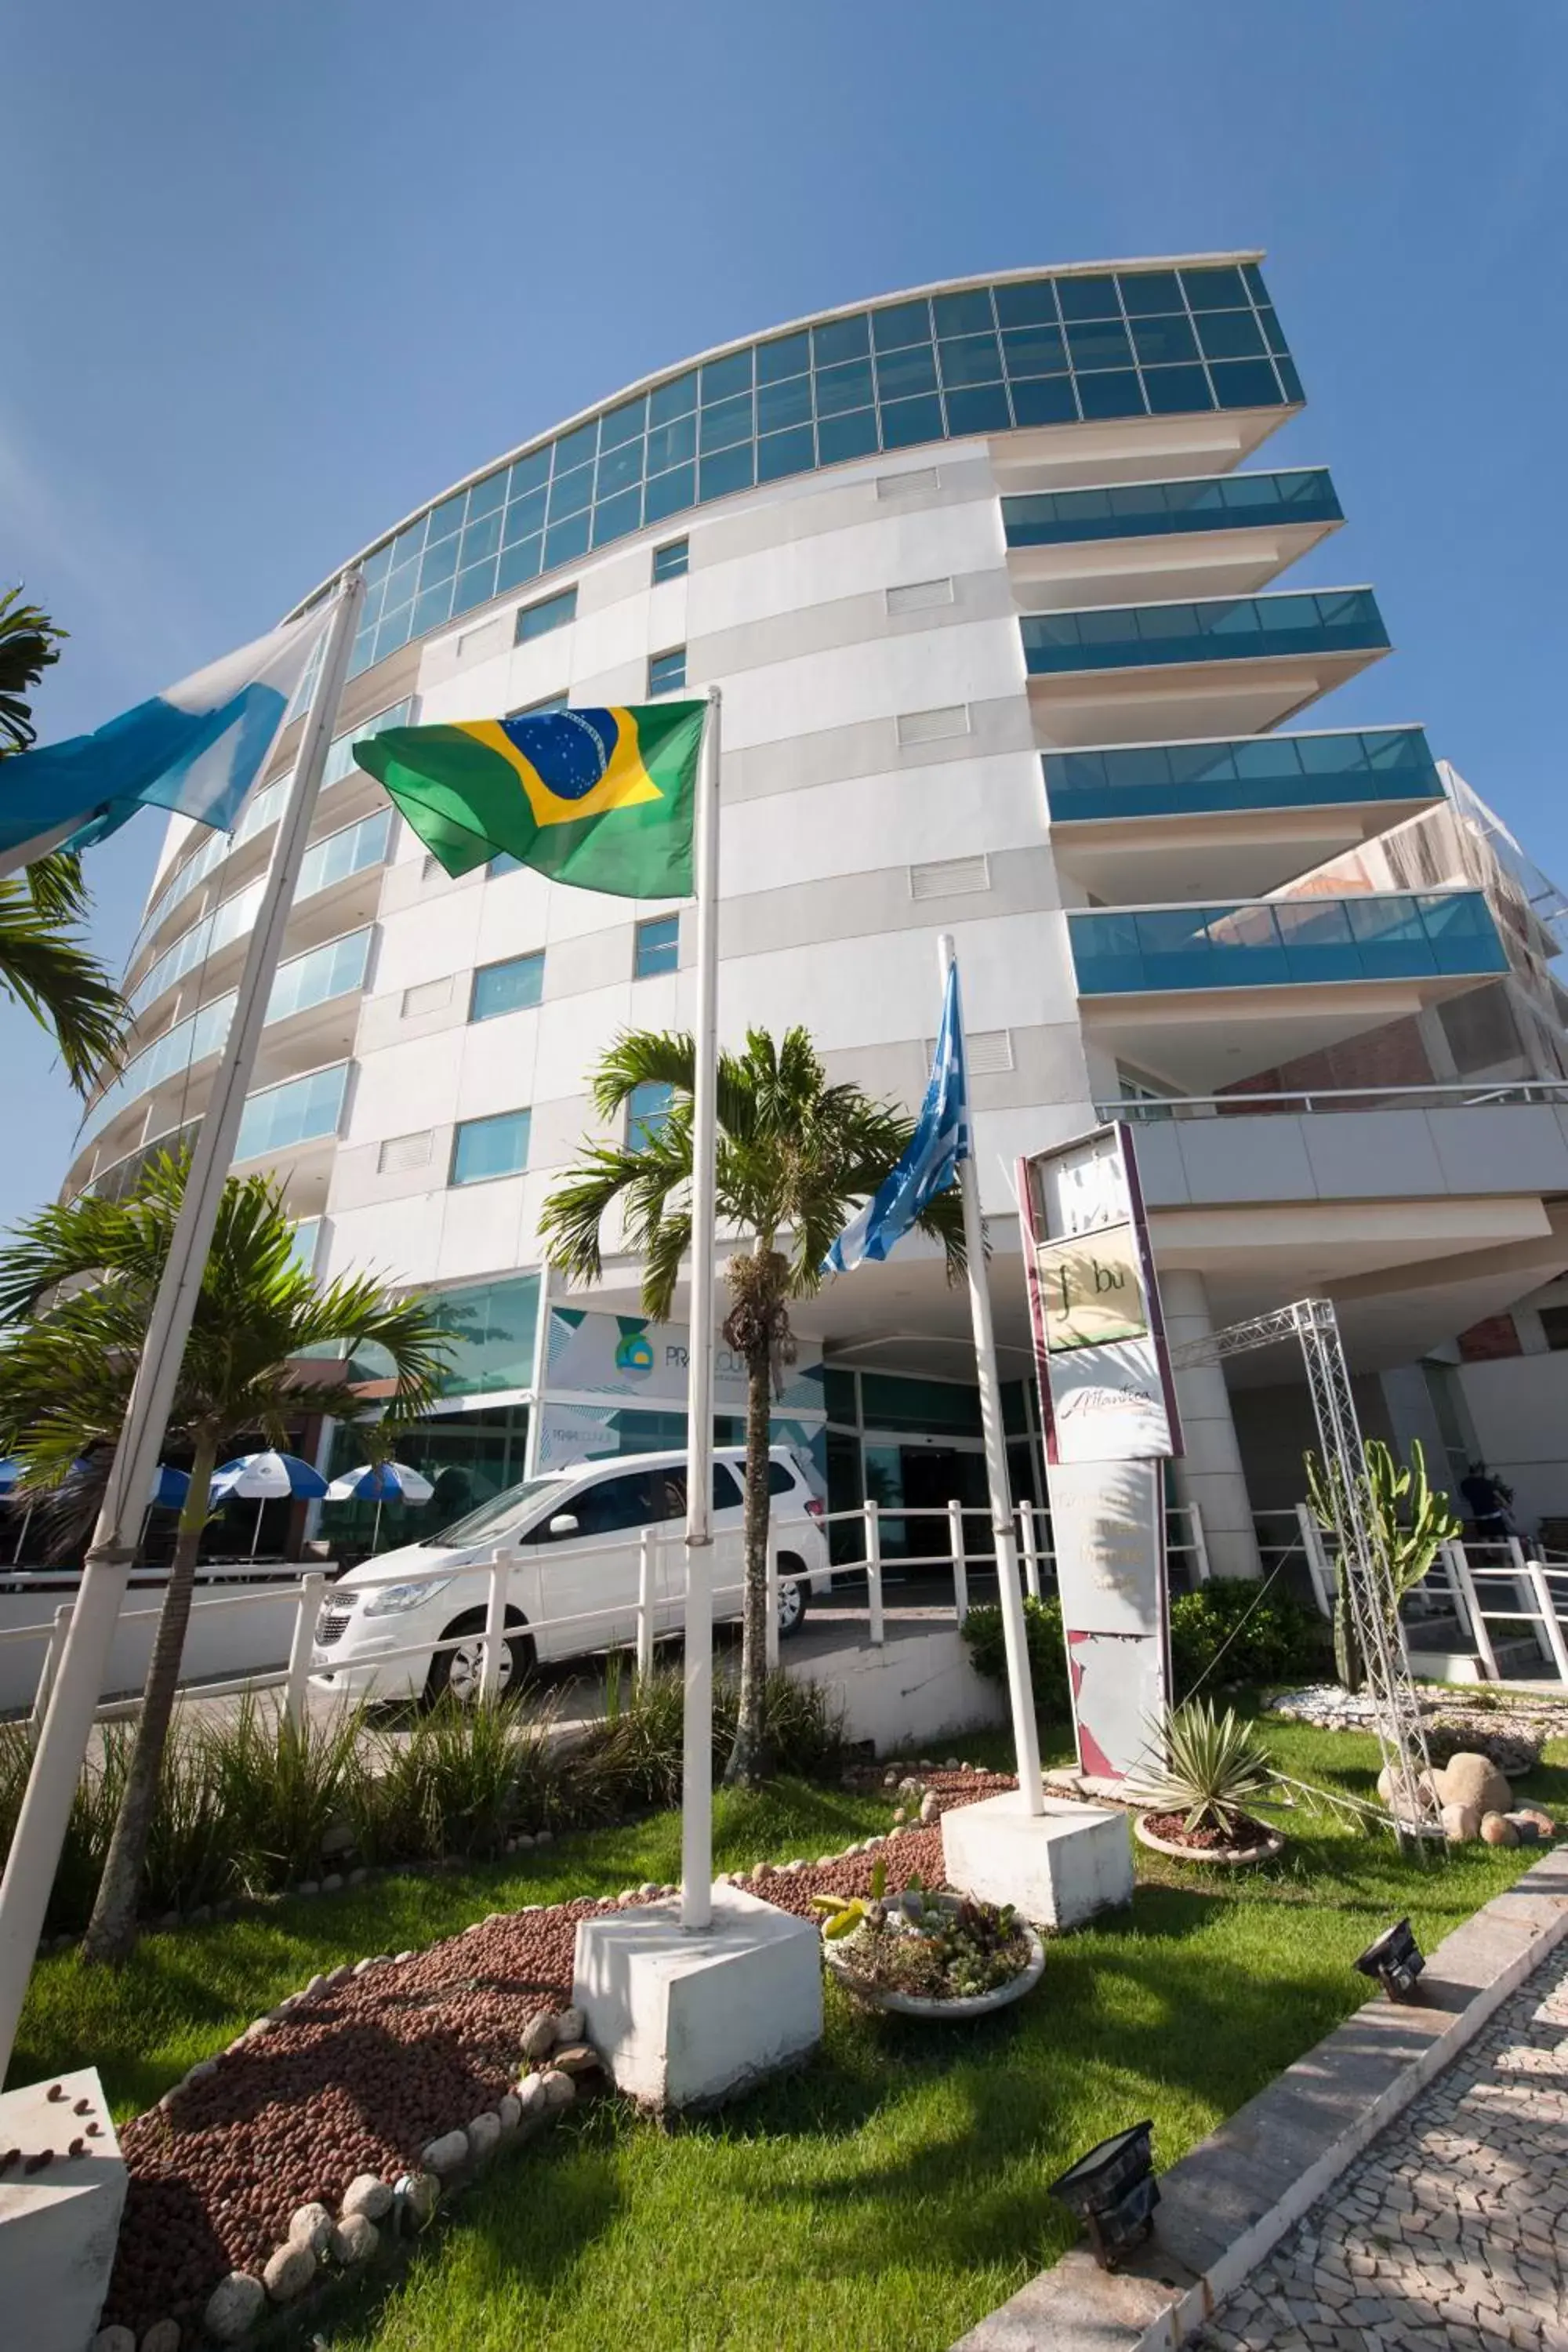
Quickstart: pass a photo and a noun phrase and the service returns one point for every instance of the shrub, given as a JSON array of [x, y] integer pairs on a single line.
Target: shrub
[[1280, 1641], [451, 1784], [1047, 1654], [632, 1760], [245, 1804]]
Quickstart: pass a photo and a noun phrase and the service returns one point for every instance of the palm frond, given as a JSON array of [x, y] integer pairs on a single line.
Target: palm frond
[[29, 643], [44, 967], [72, 1351]]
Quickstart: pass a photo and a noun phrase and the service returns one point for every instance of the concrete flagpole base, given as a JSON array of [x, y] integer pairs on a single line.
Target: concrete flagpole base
[[689, 2017], [60, 2224], [1058, 1867]]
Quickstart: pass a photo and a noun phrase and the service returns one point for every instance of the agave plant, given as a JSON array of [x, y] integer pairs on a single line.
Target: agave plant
[[1217, 1770]]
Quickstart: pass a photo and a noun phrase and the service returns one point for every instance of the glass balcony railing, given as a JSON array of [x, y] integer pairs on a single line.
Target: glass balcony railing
[[227, 923], [262, 809], [345, 853], [1249, 771], [1155, 509], [301, 1110], [1285, 943], [305, 981], [1217, 629]]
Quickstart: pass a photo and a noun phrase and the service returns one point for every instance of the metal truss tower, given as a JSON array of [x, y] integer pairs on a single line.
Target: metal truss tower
[[1365, 1566]]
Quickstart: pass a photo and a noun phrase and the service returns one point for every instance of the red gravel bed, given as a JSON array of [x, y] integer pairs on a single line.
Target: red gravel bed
[[1172, 1828], [366, 2073]]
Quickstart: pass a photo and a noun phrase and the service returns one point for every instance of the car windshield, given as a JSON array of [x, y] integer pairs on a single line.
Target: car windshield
[[496, 1517]]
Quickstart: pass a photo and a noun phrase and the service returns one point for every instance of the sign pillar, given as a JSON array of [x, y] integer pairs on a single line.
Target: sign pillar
[[1109, 1412]]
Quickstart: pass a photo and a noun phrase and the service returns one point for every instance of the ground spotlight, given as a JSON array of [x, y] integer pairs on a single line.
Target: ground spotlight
[[1395, 1960], [1113, 2191]]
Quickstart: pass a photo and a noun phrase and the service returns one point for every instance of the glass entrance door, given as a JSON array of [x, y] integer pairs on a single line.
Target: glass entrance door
[[926, 1478]]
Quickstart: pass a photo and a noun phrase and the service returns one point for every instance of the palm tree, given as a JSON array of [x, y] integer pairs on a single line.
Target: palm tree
[[43, 964], [796, 1158], [77, 1288]]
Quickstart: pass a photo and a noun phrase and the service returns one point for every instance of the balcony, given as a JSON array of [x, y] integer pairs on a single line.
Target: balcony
[[1202, 997], [1142, 673], [1207, 535], [346, 790], [312, 1014], [1233, 818]]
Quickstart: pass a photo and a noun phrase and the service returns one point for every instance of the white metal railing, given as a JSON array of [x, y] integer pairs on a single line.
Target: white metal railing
[[1151, 1109], [1486, 1586], [658, 1598]]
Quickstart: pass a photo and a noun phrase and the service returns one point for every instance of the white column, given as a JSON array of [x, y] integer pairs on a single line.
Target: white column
[[1209, 1473]]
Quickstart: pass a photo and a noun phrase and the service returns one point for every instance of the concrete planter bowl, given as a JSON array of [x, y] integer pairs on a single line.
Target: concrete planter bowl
[[1241, 1857], [909, 2004]]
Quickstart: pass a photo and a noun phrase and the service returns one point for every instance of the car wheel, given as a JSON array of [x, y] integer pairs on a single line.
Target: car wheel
[[460, 1669], [794, 1597]]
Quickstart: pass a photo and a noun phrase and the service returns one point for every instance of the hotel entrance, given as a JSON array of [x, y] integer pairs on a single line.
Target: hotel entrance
[[899, 1441]]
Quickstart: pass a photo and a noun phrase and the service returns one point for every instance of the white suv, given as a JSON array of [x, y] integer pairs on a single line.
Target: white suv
[[573, 1537]]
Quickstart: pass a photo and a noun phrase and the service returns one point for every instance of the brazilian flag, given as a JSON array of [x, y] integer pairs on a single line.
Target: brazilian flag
[[602, 799]]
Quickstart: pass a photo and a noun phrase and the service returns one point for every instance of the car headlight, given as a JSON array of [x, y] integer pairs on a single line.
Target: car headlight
[[391, 1599]]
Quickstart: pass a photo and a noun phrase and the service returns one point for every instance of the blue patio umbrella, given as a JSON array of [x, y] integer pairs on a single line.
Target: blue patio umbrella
[[262, 1478], [170, 1487], [379, 1483], [9, 1473]]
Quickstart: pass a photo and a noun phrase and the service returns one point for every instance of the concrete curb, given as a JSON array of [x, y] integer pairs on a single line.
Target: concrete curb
[[1236, 2195]]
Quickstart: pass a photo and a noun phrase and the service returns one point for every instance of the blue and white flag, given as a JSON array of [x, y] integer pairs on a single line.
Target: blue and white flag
[[929, 1160], [195, 750]]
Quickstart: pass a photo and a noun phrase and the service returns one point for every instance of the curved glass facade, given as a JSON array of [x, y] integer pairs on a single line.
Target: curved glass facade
[[934, 367]]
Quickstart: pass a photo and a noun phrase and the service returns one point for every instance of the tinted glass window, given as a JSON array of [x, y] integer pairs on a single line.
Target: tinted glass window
[[538, 620], [485, 1148], [647, 1107], [727, 1494], [657, 946], [507, 987], [627, 1501], [781, 1480]]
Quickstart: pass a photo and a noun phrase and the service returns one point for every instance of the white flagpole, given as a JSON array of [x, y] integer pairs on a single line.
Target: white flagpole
[[696, 1777], [1026, 1736], [68, 1724]]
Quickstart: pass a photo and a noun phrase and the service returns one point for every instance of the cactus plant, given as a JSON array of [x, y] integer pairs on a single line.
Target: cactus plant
[[1407, 1520]]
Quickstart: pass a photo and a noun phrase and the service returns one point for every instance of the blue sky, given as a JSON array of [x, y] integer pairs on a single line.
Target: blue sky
[[289, 270]]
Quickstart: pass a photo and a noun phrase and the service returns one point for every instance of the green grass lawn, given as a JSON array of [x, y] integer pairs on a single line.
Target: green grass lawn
[[888, 2195]]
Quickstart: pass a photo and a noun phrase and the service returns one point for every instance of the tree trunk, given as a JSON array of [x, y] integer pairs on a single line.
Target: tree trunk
[[747, 1760], [111, 1931]]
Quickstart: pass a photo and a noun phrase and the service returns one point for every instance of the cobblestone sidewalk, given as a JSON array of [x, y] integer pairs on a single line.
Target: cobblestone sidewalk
[[1450, 2234]]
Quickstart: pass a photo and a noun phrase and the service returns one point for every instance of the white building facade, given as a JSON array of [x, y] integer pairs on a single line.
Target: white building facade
[[988, 575]]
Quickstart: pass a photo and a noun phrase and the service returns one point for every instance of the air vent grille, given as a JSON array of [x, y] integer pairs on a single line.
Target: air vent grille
[[399, 1154], [428, 996], [933, 726], [950, 878], [919, 595], [897, 485], [989, 1051]]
